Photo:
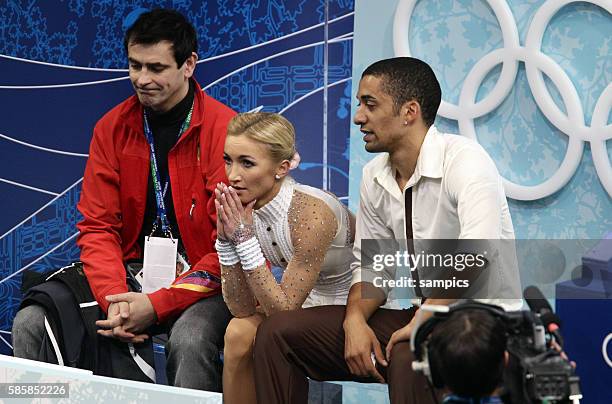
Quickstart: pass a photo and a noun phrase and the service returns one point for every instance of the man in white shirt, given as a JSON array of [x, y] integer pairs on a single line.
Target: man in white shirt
[[448, 188]]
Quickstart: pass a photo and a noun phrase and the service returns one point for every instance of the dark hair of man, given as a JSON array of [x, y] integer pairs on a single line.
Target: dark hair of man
[[467, 351], [406, 79], [164, 25]]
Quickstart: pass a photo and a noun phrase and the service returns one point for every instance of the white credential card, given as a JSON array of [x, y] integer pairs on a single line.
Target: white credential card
[[159, 266]]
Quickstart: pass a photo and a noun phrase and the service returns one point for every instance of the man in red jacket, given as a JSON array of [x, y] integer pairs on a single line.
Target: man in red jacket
[[154, 162]]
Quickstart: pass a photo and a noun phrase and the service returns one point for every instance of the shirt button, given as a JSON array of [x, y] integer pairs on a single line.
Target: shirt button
[[274, 243], [269, 228]]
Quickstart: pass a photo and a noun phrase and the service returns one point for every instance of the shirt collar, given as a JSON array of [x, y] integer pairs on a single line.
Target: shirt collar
[[431, 156], [430, 163]]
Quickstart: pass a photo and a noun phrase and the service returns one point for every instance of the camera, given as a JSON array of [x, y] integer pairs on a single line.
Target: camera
[[536, 372], [532, 371]]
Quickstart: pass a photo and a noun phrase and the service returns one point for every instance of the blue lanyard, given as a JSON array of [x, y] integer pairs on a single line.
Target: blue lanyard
[[157, 188]]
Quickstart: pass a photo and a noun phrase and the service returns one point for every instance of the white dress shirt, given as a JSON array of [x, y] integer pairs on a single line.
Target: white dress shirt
[[457, 193]]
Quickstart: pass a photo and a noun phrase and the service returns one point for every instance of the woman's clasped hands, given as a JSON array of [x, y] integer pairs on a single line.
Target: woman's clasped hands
[[234, 221]]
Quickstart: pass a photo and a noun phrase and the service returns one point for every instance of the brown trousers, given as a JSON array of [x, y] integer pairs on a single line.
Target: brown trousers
[[292, 346]]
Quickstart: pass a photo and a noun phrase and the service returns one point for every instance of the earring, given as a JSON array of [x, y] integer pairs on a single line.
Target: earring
[[277, 177], [405, 123]]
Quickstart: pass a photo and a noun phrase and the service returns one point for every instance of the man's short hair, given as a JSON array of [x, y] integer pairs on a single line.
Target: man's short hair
[[406, 79], [164, 25], [467, 351]]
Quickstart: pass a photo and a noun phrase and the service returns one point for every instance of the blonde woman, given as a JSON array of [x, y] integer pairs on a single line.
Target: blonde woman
[[265, 215]]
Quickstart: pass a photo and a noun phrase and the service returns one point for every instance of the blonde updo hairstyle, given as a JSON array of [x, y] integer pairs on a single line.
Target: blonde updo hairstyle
[[270, 129]]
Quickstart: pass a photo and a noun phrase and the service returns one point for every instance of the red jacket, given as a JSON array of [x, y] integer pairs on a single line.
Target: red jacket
[[114, 195]]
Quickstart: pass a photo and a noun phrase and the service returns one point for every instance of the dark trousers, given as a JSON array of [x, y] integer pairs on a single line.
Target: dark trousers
[[293, 345]]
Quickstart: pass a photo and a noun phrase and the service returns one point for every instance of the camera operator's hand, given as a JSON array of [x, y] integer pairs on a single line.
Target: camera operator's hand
[[359, 343]]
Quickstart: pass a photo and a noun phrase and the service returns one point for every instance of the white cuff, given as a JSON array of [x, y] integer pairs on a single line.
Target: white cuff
[[250, 254], [226, 253]]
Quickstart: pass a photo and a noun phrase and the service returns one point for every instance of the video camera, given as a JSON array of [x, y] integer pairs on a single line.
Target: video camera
[[536, 371]]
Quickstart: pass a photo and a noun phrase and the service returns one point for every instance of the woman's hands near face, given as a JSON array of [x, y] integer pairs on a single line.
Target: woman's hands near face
[[234, 221]]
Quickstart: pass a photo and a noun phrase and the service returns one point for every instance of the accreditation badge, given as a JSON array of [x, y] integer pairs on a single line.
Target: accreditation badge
[[159, 266]]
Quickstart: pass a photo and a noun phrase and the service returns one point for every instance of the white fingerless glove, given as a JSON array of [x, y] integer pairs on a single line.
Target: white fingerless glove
[[227, 253]]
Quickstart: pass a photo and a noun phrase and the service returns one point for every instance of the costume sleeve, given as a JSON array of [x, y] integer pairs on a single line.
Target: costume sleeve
[[313, 226], [204, 277], [100, 230], [236, 291]]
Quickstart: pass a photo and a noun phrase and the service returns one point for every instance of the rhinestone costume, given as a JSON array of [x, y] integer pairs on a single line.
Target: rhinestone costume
[[308, 233]]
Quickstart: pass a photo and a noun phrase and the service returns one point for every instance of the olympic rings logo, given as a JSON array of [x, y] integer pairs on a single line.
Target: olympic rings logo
[[572, 124], [604, 349]]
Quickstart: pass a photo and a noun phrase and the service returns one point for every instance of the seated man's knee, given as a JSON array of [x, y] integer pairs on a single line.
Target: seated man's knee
[[187, 339], [200, 326], [277, 327], [239, 337], [28, 330], [401, 359], [30, 318]]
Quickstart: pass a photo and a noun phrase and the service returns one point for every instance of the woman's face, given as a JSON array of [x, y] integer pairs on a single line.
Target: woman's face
[[250, 169]]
